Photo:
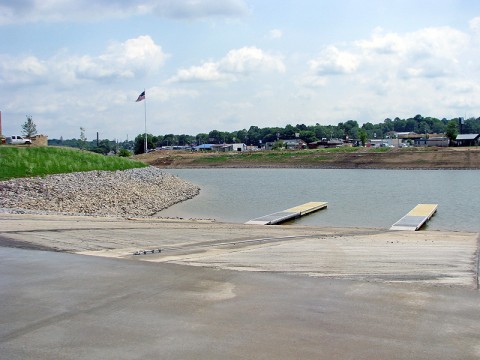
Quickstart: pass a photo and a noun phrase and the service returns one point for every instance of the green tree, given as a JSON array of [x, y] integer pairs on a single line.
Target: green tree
[[169, 140], [362, 134], [124, 153], [308, 136], [139, 147], [104, 147], [214, 137], [29, 128], [202, 138], [277, 145], [452, 130]]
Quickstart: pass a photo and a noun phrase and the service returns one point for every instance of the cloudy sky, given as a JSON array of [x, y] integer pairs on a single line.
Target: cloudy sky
[[229, 64]]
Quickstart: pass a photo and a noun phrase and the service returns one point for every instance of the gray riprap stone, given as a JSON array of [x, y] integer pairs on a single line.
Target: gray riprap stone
[[134, 192]]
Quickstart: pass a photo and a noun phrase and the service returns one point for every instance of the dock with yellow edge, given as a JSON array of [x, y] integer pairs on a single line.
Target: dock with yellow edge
[[289, 214], [416, 218]]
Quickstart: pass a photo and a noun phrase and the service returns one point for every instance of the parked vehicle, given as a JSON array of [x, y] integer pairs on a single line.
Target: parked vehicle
[[18, 140]]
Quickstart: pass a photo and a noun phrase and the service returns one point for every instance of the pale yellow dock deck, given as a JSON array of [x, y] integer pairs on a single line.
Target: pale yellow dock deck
[[416, 218], [285, 215]]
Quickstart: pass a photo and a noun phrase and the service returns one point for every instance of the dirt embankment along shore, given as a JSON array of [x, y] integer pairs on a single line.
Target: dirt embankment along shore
[[363, 158]]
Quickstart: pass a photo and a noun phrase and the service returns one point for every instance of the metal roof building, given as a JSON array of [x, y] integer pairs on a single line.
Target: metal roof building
[[467, 139]]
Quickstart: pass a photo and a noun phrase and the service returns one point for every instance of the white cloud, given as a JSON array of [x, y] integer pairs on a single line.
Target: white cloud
[[207, 72], [475, 24], [427, 53], [428, 71], [236, 63], [333, 61], [250, 59], [21, 71], [134, 57], [85, 10]]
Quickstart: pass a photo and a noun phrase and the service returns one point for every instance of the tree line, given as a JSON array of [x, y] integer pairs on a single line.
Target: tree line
[[256, 136], [350, 129]]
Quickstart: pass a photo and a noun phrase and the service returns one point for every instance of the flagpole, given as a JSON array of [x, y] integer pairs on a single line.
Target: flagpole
[[145, 107]]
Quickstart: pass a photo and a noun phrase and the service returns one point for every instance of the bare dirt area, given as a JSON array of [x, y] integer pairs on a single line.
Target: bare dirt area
[[363, 158]]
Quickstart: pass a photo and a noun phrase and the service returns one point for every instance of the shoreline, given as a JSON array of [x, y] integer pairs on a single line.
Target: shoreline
[[363, 158], [285, 166]]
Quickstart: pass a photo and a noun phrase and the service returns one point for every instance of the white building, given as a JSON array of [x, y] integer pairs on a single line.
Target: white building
[[239, 147]]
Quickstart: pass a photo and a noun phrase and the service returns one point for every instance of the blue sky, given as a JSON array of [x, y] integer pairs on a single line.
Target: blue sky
[[229, 64]]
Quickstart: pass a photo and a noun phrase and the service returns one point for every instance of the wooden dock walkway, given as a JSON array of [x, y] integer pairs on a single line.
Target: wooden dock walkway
[[289, 214], [416, 218]]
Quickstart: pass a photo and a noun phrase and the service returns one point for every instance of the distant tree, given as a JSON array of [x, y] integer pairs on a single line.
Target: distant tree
[[423, 128], [184, 140], [411, 125], [362, 134], [253, 135], [29, 128], [124, 153], [169, 140], [308, 136], [368, 126], [139, 147], [388, 124], [277, 145], [399, 125], [202, 138], [214, 137], [438, 127], [104, 147], [472, 126], [452, 130]]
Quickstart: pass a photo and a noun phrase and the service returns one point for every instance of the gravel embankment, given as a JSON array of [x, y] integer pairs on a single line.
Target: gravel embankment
[[134, 192]]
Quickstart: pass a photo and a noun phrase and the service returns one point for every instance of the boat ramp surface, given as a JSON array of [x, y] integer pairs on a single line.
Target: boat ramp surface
[[415, 219], [289, 214]]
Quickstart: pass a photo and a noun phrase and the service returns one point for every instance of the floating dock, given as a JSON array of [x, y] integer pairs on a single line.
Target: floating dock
[[415, 219], [289, 214]]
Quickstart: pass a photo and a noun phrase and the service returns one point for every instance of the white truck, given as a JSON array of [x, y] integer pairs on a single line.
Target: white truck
[[18, 140]]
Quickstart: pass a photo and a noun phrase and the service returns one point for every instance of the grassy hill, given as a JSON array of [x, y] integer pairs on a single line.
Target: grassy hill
[[24, 161]]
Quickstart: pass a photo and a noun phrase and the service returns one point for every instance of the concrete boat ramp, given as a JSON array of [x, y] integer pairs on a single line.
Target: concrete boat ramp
[[297, 292]]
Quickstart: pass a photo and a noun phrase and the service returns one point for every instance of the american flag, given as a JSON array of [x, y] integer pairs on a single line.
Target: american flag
[[141, 96]]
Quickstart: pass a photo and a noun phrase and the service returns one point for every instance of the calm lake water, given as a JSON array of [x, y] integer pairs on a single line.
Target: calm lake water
[[356, 198]]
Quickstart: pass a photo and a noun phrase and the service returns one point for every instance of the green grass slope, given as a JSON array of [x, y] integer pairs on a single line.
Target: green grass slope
[[20, 161]]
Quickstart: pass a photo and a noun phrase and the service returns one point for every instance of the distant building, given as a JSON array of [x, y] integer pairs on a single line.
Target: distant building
[[222, 147], [332, 143], [291, 144], [467, 140], [294, 144], [440, 141], [239, 147], [203, 147]]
